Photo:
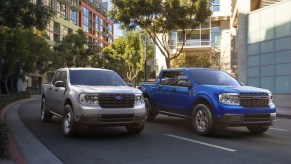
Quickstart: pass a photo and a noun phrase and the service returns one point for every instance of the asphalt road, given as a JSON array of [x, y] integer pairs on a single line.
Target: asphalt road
[[167, 140]]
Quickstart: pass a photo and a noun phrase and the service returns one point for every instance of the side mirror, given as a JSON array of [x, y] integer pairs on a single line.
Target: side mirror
[[60, 84], [129, 84], [241, 83]]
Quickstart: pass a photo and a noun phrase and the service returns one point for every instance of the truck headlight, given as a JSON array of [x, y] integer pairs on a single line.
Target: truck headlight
[[271, 99], [229, 98], [88, 99], [139, 100]]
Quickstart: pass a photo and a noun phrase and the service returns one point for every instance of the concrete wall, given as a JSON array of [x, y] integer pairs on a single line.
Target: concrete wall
[[225, 49], [269, 51]]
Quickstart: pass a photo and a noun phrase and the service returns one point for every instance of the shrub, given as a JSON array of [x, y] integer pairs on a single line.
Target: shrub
[[4, 141]]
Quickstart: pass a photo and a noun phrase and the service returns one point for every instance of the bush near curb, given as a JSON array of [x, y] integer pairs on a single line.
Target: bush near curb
[[4, 141], [4, 131]]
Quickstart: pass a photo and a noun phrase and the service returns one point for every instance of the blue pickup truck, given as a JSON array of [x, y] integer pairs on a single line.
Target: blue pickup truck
[[211, 98]]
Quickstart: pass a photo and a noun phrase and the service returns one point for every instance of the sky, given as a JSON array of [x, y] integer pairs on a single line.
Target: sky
[[117, 31]]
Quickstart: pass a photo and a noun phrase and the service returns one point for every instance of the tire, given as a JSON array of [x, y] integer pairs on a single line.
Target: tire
[[257, 129], [202, 120], [68, 124], [135, 129], [45, 115], [150, 114]]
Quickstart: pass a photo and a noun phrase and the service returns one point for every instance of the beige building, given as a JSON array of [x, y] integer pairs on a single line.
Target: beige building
[[211, 38]]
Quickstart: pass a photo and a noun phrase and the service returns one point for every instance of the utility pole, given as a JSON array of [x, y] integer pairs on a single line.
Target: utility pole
[[145, 60]]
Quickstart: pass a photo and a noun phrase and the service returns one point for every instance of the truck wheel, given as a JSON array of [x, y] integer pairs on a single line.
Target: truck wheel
[[202, 120], [45, 115], [69, 126], [257, 129], [135, 129], [150, 114]]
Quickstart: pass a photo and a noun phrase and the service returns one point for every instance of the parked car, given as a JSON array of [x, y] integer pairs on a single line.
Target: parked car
[[211, 98], [91, 97]]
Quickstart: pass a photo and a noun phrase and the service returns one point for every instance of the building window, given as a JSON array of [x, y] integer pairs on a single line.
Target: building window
[[173, 40], [85, 19], [61, 10], [216, 6], [196, 37], [101, 28], [96, 25], [215, 34], [57, 30], [74, 17], [50, 30], [65, 31]]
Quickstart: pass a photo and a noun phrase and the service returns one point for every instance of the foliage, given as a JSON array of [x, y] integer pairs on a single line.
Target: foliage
[[20, 48], [129, 51], [4, 141], [193, 60], [72, 52], [160, 19], [21, 52], [24, 14]]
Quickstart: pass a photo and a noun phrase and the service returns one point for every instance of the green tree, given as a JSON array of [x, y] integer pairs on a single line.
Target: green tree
[[20, 47], [22, 51], [160, 18], [72, 52], [193, 60], [129, 50], [24, 14]]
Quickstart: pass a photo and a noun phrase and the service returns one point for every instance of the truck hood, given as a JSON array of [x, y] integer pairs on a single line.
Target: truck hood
[[236, 89], [107, 89]]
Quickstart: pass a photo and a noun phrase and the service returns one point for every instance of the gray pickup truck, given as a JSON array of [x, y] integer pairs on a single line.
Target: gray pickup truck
[[92, 97]]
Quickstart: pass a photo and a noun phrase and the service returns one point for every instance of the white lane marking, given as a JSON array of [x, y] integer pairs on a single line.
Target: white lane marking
[[202, 143], [279, 129]]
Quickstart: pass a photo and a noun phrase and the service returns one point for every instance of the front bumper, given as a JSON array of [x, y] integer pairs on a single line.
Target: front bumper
[[247, 119], [111, 120]]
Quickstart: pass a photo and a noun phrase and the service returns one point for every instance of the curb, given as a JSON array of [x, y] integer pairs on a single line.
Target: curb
[[12, 148]]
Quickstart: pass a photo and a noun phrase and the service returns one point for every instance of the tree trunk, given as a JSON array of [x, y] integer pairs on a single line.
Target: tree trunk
[[168, 62], [5, 81]]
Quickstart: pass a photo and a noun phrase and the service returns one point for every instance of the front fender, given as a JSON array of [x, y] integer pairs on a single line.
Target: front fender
[[212, 103]]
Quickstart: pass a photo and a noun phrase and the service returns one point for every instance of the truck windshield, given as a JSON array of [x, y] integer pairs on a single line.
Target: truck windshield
[[213, 77], [95, 78]]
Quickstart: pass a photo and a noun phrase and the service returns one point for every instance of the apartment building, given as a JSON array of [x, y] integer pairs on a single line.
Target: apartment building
[[88, 15], [71, 15], [211, 38], [262, 32]]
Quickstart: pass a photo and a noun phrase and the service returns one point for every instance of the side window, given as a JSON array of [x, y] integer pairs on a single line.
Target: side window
[[182, 79], [56, 77], [63, 77], [167, 78]]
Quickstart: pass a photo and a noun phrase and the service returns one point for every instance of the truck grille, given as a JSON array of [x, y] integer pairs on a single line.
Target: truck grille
[[121, 118], [248, 118], [254, 100], [111, 100]]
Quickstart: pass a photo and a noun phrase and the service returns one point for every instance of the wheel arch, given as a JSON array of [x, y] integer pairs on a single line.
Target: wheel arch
[[203, 99]]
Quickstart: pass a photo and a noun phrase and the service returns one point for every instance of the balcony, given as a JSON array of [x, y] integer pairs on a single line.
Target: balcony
[[66, 2], [74, 5]]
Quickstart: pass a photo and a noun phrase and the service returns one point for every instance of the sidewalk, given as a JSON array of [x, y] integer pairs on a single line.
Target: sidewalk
[[21, 138], [284, 112]]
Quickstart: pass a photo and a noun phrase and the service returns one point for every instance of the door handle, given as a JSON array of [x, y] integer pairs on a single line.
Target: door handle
[[173, 89], [159, 88], [56, 90], [50, 88]]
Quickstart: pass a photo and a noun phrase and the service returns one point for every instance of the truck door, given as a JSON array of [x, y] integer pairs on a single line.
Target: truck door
[[180, 99], [59, 93], [50, 99], [174, 93]]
